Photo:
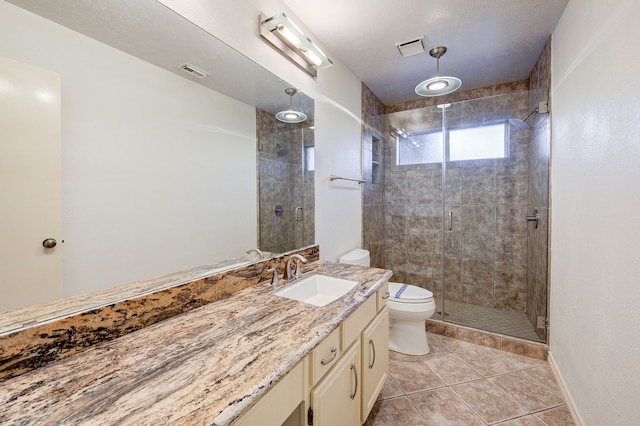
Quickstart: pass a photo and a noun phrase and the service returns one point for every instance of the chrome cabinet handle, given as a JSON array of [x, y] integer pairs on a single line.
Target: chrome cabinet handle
[[386, 296], [334, 352], [373, 346], [299, 214], [450, 220], [355, 374]]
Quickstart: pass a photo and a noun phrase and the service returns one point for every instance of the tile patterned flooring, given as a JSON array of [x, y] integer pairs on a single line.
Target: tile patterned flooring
[[460, 383], [490, 319]]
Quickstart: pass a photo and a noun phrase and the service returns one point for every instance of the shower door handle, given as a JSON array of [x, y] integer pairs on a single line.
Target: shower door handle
[[450, 220], [534, 218], [298, 214]]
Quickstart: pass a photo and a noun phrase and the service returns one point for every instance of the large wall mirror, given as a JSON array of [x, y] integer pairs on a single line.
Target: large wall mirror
[[162, 170]]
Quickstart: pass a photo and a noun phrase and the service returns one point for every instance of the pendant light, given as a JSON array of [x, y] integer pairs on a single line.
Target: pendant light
[[291, 115], [438, 85]]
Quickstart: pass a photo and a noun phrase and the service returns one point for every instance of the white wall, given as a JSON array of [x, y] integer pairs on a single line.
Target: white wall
[[158, 172], [336, 92], [595, 236]]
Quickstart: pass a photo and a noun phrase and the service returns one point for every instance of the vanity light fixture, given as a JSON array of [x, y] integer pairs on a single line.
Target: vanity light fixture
[[291, 115], [285, 36], [438, 85]]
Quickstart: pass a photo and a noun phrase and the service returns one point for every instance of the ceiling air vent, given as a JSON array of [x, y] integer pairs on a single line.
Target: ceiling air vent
[[411, 47], [193, 70]]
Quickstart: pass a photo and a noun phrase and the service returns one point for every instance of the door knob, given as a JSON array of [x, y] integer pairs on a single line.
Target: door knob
[[49, 243]]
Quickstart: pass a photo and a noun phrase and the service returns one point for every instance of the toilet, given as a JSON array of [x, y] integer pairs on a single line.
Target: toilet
[[409, 308]]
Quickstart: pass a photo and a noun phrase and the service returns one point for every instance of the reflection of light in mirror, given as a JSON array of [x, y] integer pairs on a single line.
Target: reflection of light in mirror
[[46, 97]]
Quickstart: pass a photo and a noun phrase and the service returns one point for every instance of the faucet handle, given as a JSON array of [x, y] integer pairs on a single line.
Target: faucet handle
[[275, 280], [302, 259]]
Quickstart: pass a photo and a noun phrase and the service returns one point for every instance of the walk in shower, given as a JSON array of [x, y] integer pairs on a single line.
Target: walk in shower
[[462, 195], [286, 190]]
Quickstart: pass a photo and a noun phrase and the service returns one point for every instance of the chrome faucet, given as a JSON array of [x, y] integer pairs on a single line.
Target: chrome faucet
[[292, 268]]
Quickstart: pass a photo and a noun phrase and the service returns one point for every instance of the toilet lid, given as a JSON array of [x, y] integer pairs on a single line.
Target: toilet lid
[[407, 293]]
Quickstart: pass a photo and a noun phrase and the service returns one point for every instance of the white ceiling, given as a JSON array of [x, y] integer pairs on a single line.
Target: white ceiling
[[488, 41]]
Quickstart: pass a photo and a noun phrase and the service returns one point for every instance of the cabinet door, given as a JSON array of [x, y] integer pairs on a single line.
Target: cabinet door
[[336, 399], [375, 360]]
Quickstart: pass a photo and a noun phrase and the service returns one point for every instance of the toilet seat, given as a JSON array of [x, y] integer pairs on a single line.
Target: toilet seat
[[407, 293]]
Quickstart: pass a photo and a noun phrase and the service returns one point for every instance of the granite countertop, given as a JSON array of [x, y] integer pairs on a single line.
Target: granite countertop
[[205, 366]]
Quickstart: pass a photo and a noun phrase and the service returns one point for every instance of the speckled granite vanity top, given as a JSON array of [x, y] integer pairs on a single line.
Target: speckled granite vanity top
[[205, 366]]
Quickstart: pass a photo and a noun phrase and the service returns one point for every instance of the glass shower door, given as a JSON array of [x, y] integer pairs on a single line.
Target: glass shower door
[[487, 186]]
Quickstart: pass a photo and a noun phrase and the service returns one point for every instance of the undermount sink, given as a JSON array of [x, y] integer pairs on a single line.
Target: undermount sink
[[317, 290]]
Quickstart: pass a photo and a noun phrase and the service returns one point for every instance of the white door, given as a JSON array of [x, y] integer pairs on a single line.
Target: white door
[[30, 185]]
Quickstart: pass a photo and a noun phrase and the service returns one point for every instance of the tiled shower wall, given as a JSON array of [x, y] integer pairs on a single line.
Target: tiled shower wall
[[283, 180]]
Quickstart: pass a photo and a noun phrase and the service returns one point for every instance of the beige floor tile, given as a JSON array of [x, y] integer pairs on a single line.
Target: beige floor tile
[[451, 369], [443, 388], [438, 344], [522, 421], [558, 416], [414, 376], [545, 376], [390, 389], [488, 401], [485, 362], [531, 394], [441, 407], [394, 412]]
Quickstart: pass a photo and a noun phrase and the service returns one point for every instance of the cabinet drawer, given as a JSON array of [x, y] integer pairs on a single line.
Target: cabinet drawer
[[358, 320], [383, 295], [325, 356]]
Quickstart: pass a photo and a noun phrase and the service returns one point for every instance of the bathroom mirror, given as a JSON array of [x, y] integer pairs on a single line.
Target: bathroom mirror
[[154, 33]]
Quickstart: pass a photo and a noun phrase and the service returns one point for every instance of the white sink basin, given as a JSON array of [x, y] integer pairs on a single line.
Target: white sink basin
[[317, 290]]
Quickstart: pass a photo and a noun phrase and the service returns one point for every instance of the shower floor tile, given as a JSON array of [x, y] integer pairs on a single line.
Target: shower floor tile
[[489, 319]]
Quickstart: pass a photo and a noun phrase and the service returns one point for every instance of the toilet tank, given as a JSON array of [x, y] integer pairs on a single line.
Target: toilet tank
[[356, 257]]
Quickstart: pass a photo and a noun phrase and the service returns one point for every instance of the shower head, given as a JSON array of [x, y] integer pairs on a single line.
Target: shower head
[[522, 123], [542, 108]]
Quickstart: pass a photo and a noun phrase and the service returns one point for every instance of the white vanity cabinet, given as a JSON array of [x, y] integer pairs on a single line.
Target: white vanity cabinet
[[339, 381], [375, 360], [337, 397], [345, 396]]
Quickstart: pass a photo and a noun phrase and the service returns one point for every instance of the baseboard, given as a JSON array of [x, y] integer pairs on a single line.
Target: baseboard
[[563, 388]]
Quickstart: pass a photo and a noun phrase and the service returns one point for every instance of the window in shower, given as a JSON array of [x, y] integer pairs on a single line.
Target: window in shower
[[468, 143]]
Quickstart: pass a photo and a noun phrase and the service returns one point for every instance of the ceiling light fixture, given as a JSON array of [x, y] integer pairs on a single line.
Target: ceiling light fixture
[[438, 85], [284, 35], [291, 115]]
